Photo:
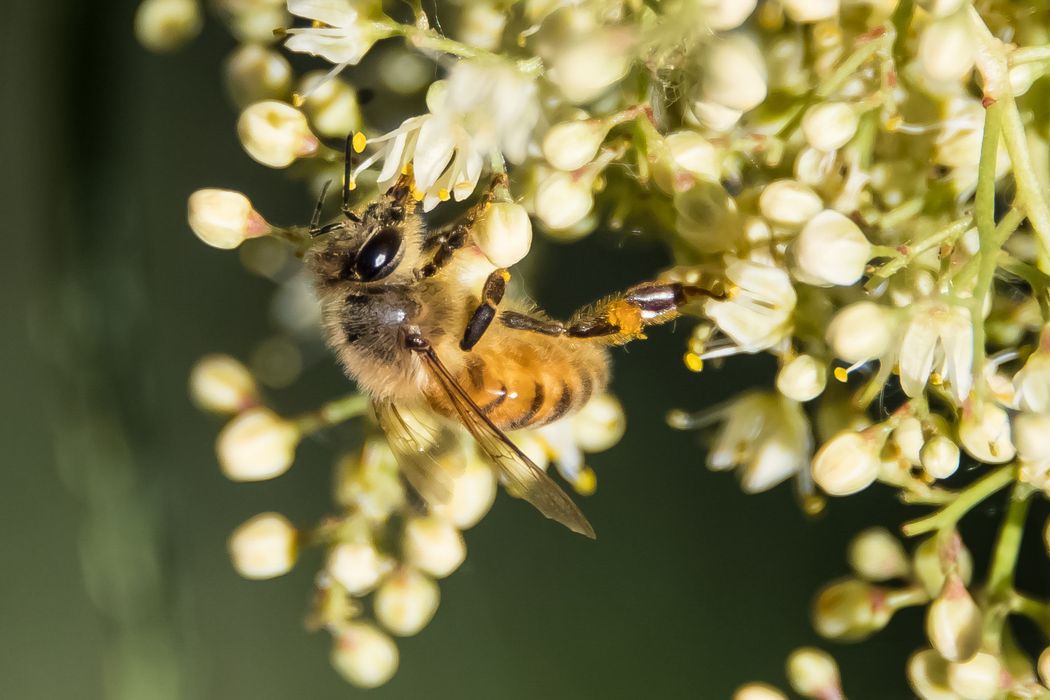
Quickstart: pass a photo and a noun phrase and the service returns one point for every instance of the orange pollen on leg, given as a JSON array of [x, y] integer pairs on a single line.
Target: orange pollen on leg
[[626, 317]]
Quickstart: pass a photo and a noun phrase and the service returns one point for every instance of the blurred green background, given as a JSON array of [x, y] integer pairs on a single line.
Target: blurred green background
[[116, 582]]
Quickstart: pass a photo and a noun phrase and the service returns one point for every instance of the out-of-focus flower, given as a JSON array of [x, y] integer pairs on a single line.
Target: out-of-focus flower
[[255, 73], [433, 545], [809, 11], [953, 621], [814, 674], [978, 678], [331, 105], [275, 134], [1032, 382], [829, 126], [599, 424], [930, 564], [264, 546], [851, 609], [802, 378], [473, 491], [686, 157], [563, 199], [734, 72], [587, 67], [406, 602], [224, 218], [357, 566], [847, 463], [758, 691], [257, 445], [939, 334], [947, 49], [723, 15], [984, 432], [573, 144], [789, 203], [167, 25], [363, 655], [928, 675], [482, 25], [344, 31], [221, 384], [877, 555]]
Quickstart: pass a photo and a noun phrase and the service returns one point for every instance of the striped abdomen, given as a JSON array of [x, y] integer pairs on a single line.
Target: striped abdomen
[[528, 380]]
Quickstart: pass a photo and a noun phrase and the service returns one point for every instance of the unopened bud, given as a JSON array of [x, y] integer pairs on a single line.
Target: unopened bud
[[714, 115], [929, 563], [875, 554], [275, 133], [264, 546], [224, 218], [1044, 663], [563, 199], [802, 379], [356, 566], [908, 439], [928, 676], [257, 445], [481, 24], [984, 432], [504, 233], [406, 602], [850, 609], [829, 126], [809, 11], [947, 49], [434, 545], [254, 72], [861, 331], [814, 674], [831, 250], [976, 679], [789, 203], [363, 655], [599, 424], [166, 25], [331, 104], [572, 145], [587, 68], [846, 464], [688, 156], [940, 457], [953, 621], [734, 72], [221, 384], [473, 492], [758, 691], [1030, 434]]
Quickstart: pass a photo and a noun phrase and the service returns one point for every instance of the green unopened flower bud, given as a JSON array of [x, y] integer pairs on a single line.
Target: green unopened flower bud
[[434, 545], [850, 609], [758, 691], [504, 233], [221, 384], [257, 445], [254, 72], [940, 457], [166, 25], [572, 145], [275, 134], [929, 563], [802, 378], [977, 678], [847, 463], [363, 655], [875, 554], [406, 602], [953, 621], [224, 218], [829, 126], [264, 546], [814, 674], [928, 675], [789, 203]]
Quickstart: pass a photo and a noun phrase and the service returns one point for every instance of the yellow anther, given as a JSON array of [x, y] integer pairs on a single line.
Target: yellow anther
[[693, 362], [352, 186], [443, 194], [586, 483], [359, 142], [297, 99], [418, 194], [936, 379], [841, 374]]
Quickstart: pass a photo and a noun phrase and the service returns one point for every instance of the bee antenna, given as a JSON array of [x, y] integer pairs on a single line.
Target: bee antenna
[[315, 220]]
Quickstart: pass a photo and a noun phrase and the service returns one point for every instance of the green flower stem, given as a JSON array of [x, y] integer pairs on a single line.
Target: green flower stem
[[907, 597], [333, 413], [1036, 610], [946, 518], [945, 235], [428, 39], [1008, 544]]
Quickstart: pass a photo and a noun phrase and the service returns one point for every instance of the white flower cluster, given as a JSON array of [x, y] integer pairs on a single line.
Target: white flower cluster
[[861, 188]]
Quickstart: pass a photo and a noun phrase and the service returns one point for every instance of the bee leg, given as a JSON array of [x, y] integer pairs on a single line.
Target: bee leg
[[485, 313], [444, 244]]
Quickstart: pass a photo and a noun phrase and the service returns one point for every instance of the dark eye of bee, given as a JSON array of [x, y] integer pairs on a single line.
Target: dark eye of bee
[[378, 256]]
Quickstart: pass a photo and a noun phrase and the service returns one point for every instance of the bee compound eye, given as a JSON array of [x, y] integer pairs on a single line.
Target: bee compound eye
[[378, 256]]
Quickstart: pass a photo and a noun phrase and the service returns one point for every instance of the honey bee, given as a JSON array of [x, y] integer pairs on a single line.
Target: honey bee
[[412, 332]]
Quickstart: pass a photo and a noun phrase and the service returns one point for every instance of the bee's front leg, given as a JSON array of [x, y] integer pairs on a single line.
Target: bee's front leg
[[444, 244], [485, 312]]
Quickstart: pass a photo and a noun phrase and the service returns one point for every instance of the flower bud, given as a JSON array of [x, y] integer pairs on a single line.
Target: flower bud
[[264, 546], [1022, 77], [585, 69], [255, 73], [224, 218], [789, 203], [331, 104], [364, 656], [370, 482], [481, 24], [356, 566], [908, 439], [802, 378], [877, 555], [1044, 662], [221, 384], [984, 432], [758, 691], [850, 609], [434, 546], [563, 199], [928, 675], [814, 674], [947, 48], [166, 25], [941, 8], [809, 11], [689, 156], [406, 602], [734, 72], [715, 116], [831, 250], [275, 134], [257, 445], [829, 126], [930, 567], [953, 621], [572, 145], [1030, 435], [1032, 383], [504, 233], [846, 464], [473, 492], [861, 331], [599, 424], [940, 457], [976, 679]]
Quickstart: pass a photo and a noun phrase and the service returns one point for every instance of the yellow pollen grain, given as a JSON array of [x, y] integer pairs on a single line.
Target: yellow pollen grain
[[936, 379], [297, 99], [841, 374], [693, 362], [352, 186], [418, 194], [359, 142], [443, 194], [586, 483]]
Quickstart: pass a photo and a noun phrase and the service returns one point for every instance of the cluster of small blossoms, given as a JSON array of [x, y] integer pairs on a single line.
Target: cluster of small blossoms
[[383, 554], [860, 186]]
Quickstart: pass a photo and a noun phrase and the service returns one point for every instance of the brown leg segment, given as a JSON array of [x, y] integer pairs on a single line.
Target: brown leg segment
[[618, 319], [444, 244], [485, 313]]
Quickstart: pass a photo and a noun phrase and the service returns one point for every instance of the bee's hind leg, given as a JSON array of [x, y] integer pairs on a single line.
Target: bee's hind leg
[[485, 312]]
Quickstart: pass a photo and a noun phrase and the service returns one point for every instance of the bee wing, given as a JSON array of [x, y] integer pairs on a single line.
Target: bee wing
[[416, 446], [521, 476]]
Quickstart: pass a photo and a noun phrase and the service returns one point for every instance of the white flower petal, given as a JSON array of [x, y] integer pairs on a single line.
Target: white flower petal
[[434, 147], [916, 355], [338, 13], [345, 48]]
